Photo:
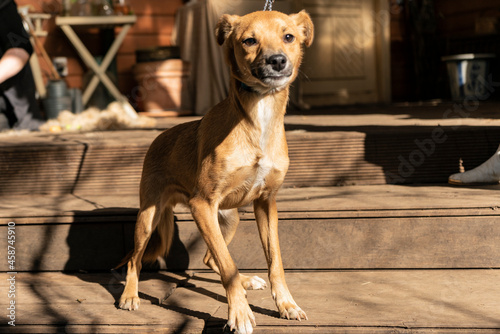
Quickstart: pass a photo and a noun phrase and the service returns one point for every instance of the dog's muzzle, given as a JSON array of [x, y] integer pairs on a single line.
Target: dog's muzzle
[[274, 70]]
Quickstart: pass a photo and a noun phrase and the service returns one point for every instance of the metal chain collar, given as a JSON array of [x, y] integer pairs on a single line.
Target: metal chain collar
[[268, 5]]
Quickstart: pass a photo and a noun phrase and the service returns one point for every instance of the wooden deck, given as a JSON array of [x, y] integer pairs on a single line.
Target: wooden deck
[[356, 227], [397, 301], [348, 146], [361, 259], [394, 250]]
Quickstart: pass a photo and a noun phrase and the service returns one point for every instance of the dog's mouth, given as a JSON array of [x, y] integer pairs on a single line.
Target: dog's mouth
[[272, 79], [275, 78]]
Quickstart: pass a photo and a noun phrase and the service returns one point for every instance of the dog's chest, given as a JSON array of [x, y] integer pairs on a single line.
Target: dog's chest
[[264, 167], [251, 181], [265, 120], [259, 165], [265, 163]]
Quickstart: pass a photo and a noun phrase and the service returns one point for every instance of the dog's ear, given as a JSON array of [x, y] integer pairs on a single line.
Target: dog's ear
[[304, 22], [224, 27]]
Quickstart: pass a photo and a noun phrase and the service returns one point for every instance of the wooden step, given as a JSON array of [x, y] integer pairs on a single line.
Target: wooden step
[[356, 227], [352, 302], [111, 162]]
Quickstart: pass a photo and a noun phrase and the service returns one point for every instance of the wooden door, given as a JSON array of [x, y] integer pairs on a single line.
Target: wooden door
[[345, 65]]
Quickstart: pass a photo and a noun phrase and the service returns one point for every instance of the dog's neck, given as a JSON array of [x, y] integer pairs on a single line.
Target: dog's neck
[[252, 103], [264, 111]]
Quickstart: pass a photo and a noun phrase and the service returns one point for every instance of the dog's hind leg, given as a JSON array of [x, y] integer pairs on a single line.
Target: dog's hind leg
[[228, 222], [147, 220], [266, 214]]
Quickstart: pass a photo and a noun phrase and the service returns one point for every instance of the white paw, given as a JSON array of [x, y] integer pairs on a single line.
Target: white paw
[[241, 319], [242, 328], [129, 303], [287, 307], [292, 312], [253, 283]]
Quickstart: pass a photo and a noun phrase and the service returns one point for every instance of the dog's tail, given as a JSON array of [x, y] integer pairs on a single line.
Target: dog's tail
[[160, 241]]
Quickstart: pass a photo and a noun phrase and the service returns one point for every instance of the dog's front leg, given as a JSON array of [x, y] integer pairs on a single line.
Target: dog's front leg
[[266, 214], [228, 222], [240, 316]]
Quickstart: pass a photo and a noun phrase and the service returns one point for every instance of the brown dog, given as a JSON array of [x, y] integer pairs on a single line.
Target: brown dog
[[235, 155]]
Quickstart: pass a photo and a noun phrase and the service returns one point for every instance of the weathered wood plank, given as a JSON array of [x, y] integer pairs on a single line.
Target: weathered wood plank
[[293, 203], [395, 301], [348, 243], [107, 162], [42, 166], [66, 246], [343, 227], [432, 301]]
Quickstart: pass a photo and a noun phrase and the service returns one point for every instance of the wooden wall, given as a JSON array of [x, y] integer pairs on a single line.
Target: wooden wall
[[155, 21], [458, 17]]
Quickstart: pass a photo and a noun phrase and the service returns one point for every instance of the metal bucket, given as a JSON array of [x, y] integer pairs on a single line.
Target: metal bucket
[[468, 74], [60, 98]]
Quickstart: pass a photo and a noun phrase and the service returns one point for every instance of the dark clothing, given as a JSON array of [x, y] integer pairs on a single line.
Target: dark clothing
[[17, 94], [12, 32], [19, 103], [4, 3]]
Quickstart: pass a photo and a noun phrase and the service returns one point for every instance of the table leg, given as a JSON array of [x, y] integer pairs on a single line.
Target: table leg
[[108, 58], [99, 71]]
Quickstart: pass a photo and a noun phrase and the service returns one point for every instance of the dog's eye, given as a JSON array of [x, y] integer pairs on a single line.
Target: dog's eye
[[250, 41], [289, 38]]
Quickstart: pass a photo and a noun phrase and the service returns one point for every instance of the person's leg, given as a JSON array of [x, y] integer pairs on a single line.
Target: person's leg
[[7, 110], [487, 172]]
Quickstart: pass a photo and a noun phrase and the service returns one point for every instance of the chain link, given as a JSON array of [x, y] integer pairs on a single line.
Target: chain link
[[268, 5]]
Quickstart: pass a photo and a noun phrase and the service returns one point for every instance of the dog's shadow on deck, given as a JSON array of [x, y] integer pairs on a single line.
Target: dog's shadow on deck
[[98, 240], [93, 244]]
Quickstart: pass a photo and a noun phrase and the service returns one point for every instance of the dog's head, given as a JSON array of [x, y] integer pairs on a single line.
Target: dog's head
[[264, 49]]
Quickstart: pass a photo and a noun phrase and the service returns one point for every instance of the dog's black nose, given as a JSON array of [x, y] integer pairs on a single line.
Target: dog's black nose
[[277, 62]]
